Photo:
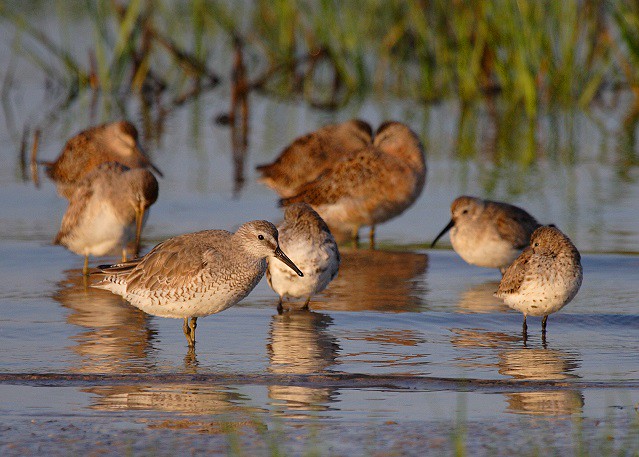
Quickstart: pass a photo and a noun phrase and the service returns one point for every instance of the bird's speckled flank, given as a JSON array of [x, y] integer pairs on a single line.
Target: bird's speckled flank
[[309, 155]]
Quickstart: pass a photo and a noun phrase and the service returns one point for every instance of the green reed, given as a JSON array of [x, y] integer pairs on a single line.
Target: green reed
[[529, 53]]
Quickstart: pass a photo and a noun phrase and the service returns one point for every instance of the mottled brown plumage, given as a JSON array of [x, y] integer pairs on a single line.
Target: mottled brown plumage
[[371, 186], [545, 277], [113, 142], [309, 155], [515, 273]]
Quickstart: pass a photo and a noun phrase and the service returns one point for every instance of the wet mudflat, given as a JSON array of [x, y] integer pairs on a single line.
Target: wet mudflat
[[423, 358]]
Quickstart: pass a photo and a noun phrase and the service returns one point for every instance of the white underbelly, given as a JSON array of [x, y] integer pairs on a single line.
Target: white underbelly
[[485, 252], [100, 233], [537, 299], [317, 265], [198, 298]]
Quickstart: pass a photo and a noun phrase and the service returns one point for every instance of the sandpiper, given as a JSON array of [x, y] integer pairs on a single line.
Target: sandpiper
[[309, 155], [488, 233], [196, 274], [113, 142], [371, 186], [544, 278], [308, 241], [107, 209]]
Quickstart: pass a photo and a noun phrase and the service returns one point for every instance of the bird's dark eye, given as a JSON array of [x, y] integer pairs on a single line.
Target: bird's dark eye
[[260, 237], [465, 211], [536, 244]]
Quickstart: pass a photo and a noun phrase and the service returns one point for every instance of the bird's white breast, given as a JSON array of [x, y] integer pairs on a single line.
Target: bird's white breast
[[482, 248], [99, 231], [318, 264]]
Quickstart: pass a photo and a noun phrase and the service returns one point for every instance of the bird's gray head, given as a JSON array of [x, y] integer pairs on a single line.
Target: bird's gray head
[[260, 238], [304, 215], [462, 209], [465, 208]]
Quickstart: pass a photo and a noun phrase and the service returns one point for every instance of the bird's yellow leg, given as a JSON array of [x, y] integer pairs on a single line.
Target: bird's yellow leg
[[192, 326]]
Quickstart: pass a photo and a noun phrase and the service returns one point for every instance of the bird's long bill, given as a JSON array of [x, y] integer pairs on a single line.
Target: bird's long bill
[[447, 228], [139, 221], [148, 162], [281, 256], [156, 169]]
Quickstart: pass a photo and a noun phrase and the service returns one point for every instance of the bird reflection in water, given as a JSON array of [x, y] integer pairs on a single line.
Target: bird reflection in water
[[541, 364], [191, 363], [381, 281], [522, 363], [371, 280], [480, 298], [116, 337], [299, 344], [178, 397]]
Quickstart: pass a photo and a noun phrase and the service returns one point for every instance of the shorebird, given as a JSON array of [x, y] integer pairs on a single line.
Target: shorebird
[[544, 278], [309, 155], [107, 209], [488, 233], [196, 274], [372, 185], [307, 239], [113, 142]]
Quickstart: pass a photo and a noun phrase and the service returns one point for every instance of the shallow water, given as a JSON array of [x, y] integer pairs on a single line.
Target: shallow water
[[406, 339]]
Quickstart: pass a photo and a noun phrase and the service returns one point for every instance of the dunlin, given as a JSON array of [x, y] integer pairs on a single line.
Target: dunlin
[[114, 142], [308, 156], [197, 274], [544, 278], [371, 186], [487, 233], [308, 241], [107, 210]]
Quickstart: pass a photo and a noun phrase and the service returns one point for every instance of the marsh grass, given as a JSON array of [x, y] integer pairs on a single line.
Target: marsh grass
[[508, 63], [528, 52]]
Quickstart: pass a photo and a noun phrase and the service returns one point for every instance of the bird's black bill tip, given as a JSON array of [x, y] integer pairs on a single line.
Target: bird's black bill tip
[[157, 170], [443, 232], [283, 257]]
